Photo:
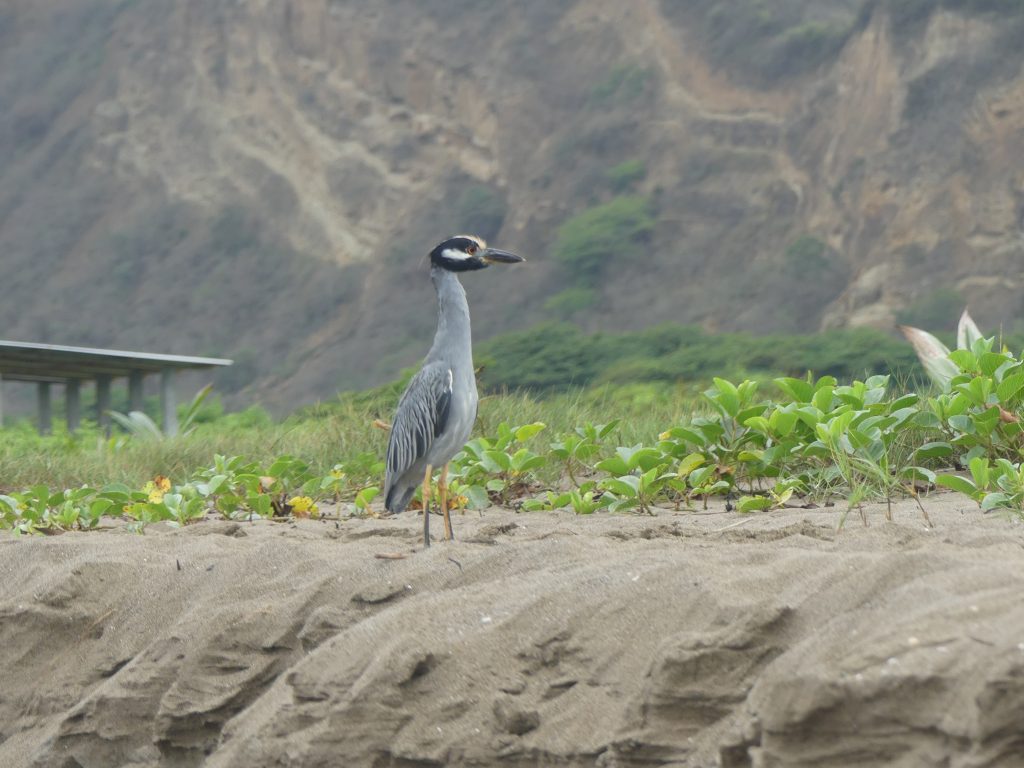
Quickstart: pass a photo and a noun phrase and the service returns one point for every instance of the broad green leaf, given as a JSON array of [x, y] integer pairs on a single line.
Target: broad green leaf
[[997, 499], [477, 496], [718, 487], [980, 471], [712, 430], [638, 457], [497, 461], [986, 421], [936, 450], [750, 412], [625, 486], [783, 421], [926, 420], [613, 465], [990, 362], [1003, 467], [366, 495], [798, 390], [698, 476], [973, 453], [922, 474], [962, 423], [687, 435], [727, 396], [753, 503], [958, 483], [964, 360], [1009, 389], [823, 396], [690, 463], [809, 415], [906, 401], [758, 423], [527, 431], [902, 416]]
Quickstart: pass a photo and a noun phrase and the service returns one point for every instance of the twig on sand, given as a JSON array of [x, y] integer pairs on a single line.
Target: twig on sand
[[391, 555], [732, 525], [927, 520], [99, 620]]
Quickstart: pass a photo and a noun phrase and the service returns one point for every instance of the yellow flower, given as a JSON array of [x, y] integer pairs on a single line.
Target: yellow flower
[[457, 502], [337, 474], [156, 488], [155, 493], [303, 506]]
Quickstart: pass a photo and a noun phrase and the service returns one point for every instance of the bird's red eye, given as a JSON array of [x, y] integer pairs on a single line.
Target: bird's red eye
[[471, 250]]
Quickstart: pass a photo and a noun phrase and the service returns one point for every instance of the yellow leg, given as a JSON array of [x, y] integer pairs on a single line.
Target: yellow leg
[[442, 486], [426, 506]]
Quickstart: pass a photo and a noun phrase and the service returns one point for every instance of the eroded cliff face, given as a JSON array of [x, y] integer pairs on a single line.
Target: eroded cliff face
[[263, 179]]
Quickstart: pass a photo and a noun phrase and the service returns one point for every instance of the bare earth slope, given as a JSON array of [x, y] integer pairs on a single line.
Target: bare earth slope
[[261, 180], [534, 640]]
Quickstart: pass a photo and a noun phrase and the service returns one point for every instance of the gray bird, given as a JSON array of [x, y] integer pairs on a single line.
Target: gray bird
[[436, 412]]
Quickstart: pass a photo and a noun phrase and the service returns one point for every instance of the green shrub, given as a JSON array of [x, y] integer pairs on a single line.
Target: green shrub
[[559, 356], [807, 254], [938, 311], [624, 175], [570, 301], [612, 230]]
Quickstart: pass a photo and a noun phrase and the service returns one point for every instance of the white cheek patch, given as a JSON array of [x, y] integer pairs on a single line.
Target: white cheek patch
[[454, 255]]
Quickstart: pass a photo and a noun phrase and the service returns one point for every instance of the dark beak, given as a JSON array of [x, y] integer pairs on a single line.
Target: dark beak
[[496, 256]]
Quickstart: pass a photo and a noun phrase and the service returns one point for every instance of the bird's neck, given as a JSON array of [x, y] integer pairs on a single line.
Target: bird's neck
[[453, 331]]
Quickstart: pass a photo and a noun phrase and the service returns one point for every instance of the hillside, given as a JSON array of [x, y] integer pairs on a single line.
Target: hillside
[[261, 180]]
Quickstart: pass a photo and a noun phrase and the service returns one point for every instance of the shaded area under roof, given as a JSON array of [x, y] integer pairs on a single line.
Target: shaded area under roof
[[22, 361]]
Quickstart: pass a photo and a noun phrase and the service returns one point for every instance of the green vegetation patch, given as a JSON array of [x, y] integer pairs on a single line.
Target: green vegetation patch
[[762, 40], [555, 357], [625, 175], [817, 439], [938, 310], [587, 242]]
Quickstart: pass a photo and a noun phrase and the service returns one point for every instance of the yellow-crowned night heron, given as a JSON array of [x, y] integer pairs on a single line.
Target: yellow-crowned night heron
[[436, 413]]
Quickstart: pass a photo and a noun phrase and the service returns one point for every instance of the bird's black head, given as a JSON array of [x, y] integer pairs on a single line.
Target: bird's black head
[[464, 253]]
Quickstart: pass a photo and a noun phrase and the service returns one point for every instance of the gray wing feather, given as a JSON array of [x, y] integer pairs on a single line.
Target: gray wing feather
[[421, 416]]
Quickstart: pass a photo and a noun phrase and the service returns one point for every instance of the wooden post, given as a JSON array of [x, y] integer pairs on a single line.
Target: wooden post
[[45, 423], [73, 404], [135, 391], [103, 402], [168, 404]]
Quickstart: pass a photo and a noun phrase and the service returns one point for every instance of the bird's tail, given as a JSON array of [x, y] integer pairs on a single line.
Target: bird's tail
[[398, 498]]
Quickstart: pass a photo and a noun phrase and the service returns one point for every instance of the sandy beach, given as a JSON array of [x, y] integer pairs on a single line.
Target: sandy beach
[[535, 639]]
